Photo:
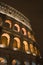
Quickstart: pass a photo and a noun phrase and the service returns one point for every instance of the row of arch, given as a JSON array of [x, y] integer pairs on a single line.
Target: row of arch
[[3, 61], [17, 28], [16, 44]]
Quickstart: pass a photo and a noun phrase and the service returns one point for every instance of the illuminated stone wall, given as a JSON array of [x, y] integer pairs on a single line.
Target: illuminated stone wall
[[17, 42]]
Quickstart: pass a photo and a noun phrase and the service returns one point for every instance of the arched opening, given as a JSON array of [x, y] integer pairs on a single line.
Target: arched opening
[[36, 52], [5, 40], [32, 49], [3, 61], [26, 47], [17, 27], [16, 43], [8, 23], [33, 38], [24, 31], [15, 62], [29, 34]]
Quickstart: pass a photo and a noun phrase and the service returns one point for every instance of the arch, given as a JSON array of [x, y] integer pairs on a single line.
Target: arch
[[24, 31], [35, 50], [33, 38], [16, 43], [32, 48], [9, 22], [29, 34], [3, 61], [5, 38], [26, 47], [15, 62], [17, 27]]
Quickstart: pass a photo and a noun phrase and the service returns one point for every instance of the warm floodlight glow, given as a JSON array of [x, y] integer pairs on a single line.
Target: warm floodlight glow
[[9, 22], [16, 44], [7, 36], [36, 52], [33, 38], [17, 27], [14, 62], [29, 35], [32, 48], [26, 47], [24, 31], [3, 61]]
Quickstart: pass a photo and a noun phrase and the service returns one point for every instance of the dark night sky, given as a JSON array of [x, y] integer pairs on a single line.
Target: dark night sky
[[33, 9]]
